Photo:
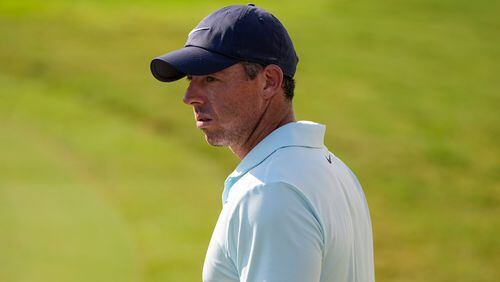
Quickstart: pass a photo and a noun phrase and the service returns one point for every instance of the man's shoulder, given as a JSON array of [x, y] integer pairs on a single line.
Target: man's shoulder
[[250, 186], [298, 166], [270, 201], [290, 170]]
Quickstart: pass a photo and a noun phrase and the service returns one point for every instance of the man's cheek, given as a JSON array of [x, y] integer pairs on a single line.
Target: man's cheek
[[230, 110]]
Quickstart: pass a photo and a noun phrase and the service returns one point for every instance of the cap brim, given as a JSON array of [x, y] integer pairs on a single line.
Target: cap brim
[[189, 60]]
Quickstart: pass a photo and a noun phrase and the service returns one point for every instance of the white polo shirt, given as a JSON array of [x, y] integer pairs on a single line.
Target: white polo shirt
[[292, 212]]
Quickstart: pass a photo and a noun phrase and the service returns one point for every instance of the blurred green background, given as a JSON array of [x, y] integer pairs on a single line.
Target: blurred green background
[[104, 177]]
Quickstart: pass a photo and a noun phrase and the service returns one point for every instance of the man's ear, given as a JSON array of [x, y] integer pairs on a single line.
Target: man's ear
[[273, 77]]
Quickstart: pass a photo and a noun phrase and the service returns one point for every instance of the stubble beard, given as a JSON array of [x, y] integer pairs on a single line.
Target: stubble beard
[[234, 134], [223, 138]]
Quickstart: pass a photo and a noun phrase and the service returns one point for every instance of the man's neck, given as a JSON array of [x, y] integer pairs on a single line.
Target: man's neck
[[270, 121]]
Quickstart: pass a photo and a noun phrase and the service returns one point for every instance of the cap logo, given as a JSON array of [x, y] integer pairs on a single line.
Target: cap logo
[[198, 29]]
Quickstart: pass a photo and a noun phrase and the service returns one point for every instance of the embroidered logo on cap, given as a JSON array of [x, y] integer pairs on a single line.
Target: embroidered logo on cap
[[198, 29]]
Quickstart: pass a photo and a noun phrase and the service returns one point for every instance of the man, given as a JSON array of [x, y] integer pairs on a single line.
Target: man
[[292, 211]]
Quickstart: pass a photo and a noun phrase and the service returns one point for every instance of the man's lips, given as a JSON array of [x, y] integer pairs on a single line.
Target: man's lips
[[202, 121]]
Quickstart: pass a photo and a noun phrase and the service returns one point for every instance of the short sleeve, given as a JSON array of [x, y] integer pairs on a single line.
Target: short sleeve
[[274, 235]]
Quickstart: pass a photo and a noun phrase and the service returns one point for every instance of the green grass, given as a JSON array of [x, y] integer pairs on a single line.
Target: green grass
[[104, 177]]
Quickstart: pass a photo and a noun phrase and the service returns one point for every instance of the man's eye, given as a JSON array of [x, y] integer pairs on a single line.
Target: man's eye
[[210, 79]]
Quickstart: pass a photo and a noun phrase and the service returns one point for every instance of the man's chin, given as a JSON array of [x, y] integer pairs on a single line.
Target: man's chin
[[218, 141]]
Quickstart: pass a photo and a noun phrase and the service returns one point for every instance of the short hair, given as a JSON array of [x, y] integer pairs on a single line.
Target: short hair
[[288, 85]]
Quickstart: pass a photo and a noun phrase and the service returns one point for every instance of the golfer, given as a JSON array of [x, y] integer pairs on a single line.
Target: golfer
[[292, 211]]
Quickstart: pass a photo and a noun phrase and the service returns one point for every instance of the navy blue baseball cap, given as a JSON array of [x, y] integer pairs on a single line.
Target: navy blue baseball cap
[[228, 36]]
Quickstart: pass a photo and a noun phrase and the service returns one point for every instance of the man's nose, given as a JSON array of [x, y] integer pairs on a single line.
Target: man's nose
[[193, 95]]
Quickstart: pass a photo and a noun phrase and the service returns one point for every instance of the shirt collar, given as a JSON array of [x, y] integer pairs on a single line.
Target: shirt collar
[[300, 133]]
